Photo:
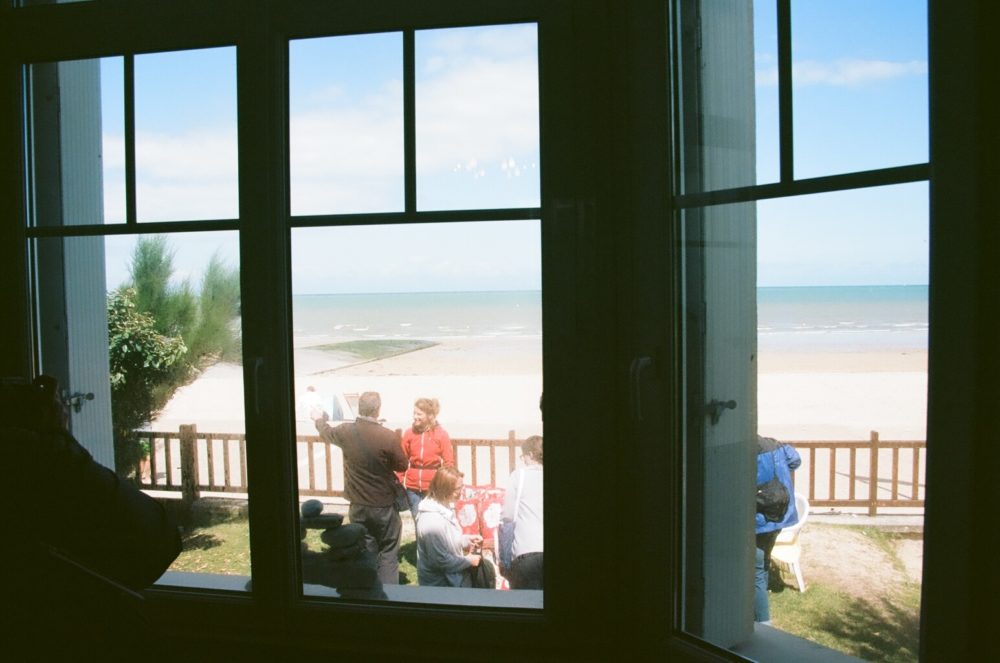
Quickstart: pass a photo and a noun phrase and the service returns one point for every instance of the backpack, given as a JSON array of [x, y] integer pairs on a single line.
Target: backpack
[[773, 497]]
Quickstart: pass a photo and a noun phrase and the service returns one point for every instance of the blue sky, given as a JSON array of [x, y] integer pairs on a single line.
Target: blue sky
[[860, 93]]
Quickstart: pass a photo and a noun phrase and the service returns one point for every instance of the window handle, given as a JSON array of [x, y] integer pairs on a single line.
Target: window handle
[[717, 407], [258, 366], [639, 364]]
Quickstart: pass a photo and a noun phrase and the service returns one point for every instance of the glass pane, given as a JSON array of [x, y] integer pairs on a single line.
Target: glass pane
[[765, 46], [477, 118], [449, 312], [185, 135], [143, 333], [346, 124], [808, 327], [77, 142], [717, 87], [859, 72]]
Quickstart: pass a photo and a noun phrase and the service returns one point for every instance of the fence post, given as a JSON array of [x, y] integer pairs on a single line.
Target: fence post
[[189, 464], [873, 480]]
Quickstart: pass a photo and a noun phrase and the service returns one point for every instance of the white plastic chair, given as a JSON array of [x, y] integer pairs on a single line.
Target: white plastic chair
[[787, 552]]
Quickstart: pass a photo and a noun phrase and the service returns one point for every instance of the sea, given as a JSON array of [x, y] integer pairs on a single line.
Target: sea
[[800, 318]]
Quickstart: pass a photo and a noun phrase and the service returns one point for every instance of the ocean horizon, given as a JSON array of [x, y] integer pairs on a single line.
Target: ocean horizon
[[820, 318]]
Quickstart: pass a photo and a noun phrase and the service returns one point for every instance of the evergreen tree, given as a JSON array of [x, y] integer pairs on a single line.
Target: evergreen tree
[[162, 335]]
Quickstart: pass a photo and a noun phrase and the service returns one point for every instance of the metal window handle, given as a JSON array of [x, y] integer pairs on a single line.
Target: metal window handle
[[76, 399], [258, 366], [717, 407], [639, 364]]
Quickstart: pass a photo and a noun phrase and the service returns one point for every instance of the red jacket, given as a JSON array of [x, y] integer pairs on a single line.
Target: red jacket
[[426, 452]]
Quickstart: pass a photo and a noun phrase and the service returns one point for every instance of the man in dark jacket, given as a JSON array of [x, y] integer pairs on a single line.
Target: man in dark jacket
[[371, 453], [774, 459]]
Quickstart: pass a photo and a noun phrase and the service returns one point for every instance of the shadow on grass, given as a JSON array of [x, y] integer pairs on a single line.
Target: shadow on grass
[[880, 628], [201, 542], [408, 563]]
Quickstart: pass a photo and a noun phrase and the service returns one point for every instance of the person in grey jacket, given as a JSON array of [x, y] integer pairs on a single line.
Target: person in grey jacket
[[444, 555], [524, 505]]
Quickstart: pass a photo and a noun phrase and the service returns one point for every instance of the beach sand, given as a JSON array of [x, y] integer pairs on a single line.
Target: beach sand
[[488, 386]]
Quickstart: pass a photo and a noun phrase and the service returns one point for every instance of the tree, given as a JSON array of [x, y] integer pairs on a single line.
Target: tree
[[141, 358], [162, 335]]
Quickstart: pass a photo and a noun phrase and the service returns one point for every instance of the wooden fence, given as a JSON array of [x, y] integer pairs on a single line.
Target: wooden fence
[[873, 474], [191, 463], [839, 472]]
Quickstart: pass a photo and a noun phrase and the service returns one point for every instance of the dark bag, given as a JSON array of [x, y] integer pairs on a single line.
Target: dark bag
[[483, 576], [505, 532], [400, 499], [505, 546], [773, 497]]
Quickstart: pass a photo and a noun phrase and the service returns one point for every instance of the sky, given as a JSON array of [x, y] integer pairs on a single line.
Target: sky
[[860, 95]]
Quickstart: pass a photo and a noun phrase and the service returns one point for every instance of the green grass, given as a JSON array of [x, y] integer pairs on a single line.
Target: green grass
[[224, 548], [370, 350], [874, 628]]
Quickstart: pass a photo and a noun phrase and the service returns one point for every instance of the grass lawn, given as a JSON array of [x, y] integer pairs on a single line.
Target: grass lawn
[[873, 621], [882, 626], [224, 548]]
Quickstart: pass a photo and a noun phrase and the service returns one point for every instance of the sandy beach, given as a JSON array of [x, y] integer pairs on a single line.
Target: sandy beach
[[490, 385]]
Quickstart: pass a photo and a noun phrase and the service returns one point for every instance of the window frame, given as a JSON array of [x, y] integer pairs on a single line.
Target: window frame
[[615, 100]]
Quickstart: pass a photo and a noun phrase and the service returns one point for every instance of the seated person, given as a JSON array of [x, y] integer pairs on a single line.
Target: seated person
[[443, 552]]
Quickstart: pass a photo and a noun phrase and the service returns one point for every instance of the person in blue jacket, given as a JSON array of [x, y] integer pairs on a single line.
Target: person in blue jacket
[[773, 459]]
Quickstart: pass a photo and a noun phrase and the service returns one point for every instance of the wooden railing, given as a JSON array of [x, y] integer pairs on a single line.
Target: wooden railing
[[863, 474], [191, 463], [839, 472]]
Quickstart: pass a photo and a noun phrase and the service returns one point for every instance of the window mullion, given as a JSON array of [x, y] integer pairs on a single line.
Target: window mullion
[[262, 98], [129, 94], [785, 110], [409, 121]]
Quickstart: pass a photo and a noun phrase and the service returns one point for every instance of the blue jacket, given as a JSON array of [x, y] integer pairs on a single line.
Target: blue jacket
[[775, 458]]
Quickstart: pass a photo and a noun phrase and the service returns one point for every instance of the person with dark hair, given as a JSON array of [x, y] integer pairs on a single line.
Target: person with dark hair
[[523, 505], [372, 453], [444, 556], [427, 447], [774, 460]]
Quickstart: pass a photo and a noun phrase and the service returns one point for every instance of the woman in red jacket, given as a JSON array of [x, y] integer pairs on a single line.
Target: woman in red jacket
[[427, 447]]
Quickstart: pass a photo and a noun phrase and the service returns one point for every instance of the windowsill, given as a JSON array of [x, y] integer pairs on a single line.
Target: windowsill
[[775, 646], [522, 599]]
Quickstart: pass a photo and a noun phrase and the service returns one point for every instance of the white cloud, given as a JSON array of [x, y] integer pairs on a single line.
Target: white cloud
[[477, 102], [844, 72]]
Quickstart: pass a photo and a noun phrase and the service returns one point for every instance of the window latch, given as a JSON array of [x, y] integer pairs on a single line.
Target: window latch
[[717, 407]]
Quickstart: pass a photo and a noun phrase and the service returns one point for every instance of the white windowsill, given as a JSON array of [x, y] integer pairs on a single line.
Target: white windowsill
[[445, 596]]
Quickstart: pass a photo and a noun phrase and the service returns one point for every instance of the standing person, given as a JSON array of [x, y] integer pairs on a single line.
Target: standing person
[[371, 454], [523, 504], [444, 556], [427, 447], [311, 400], [774, 459]]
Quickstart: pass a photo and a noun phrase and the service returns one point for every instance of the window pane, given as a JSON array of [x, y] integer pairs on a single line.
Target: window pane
[[346, 124], [717, 130], [859, 72], [185, 134], [477, 118], [808, 325], [144, 330], [450, 312], [765, 46], [77, 142]]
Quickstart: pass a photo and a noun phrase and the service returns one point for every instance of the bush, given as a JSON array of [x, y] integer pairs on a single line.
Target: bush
[[162, 335]]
